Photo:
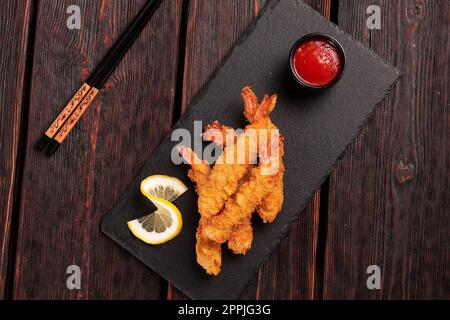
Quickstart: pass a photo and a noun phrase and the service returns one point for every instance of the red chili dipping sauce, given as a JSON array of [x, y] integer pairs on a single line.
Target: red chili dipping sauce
[[317, 62]]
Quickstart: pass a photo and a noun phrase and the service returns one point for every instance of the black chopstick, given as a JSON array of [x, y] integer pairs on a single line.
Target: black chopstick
[[80, 102]]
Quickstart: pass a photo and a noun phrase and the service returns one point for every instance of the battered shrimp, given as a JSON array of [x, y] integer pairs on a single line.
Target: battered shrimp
[[209, 252], [247, 199], [234, 188], [241, 237], [225, 176]]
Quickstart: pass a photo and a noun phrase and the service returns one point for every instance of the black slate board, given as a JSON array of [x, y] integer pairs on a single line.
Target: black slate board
[[317, 129]]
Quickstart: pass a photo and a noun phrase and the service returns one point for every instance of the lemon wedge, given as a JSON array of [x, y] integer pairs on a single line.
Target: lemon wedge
[[162, 187], [166, 222], [159, 227]]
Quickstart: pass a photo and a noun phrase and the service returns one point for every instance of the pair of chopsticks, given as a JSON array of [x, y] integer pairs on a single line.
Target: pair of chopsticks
[[80, 102]]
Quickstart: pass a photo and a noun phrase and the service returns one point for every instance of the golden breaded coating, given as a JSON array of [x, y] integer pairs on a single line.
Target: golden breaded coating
[[209, 253], [241, 237], [248, 198], [231, 191], [271, 204], [229, 168], [243, 204]]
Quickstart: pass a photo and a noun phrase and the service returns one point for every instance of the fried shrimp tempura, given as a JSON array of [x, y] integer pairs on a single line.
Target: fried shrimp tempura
[[231, 191], [241, 237], [272, 203], [209, 252], [247, 199], [219, 134], [224, 178]]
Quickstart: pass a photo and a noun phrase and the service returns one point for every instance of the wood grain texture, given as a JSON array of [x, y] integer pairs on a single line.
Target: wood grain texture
[[14, 38], [389, 196], [64, 197], [388, 201], [213, 28]]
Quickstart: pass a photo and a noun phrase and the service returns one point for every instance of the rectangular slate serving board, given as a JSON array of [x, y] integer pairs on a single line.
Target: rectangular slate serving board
[[317, 129]]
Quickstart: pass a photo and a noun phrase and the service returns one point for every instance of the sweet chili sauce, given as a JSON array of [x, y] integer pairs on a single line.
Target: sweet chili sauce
[[317, 62]]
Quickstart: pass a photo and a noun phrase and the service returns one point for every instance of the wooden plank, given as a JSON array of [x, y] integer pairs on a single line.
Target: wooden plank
[[65, 197], [213, 28], [15, 23], [389, 199]]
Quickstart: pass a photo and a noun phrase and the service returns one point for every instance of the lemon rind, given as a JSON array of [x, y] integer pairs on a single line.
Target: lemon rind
[[184, 187], [160, 202]]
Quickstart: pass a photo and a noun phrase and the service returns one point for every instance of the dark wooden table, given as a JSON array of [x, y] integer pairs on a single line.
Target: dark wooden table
[[386, 203]]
